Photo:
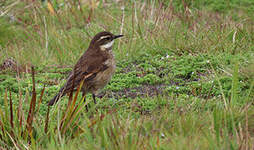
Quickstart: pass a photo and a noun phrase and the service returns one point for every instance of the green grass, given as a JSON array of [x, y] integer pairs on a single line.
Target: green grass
[[184, 77]]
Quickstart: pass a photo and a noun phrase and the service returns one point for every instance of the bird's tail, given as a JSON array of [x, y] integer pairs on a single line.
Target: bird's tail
[[56, 98]]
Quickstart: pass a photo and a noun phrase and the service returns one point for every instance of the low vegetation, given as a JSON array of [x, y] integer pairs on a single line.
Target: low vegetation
[[184, 77]]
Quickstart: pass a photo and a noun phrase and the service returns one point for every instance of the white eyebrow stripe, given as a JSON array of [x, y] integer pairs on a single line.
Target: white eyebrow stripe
[[103, 37]]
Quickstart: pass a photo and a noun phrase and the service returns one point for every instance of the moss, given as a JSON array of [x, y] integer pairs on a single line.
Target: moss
[[151, 79]]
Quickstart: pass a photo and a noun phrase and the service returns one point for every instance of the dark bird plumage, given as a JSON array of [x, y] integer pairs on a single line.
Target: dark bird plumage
[[96, 67]]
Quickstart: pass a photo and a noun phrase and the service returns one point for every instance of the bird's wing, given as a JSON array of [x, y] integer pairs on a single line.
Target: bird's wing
[[86, 69]]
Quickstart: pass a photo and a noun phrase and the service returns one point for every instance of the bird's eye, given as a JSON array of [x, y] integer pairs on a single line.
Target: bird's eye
[[108, 38]]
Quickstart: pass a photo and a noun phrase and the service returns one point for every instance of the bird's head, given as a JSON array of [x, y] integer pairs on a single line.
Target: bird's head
[[104, 40]]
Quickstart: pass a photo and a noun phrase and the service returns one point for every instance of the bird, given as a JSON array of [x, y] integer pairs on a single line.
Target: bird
[[95, 68]]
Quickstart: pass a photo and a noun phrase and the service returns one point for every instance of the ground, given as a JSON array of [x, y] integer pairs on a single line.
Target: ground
[[184, 77]]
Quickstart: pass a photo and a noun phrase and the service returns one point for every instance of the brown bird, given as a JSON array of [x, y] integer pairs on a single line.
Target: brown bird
[[96, 67]]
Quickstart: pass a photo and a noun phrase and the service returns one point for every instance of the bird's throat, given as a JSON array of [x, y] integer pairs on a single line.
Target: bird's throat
[[107, 46]]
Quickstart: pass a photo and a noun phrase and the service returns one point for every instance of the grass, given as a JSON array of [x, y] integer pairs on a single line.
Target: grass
[[184, 77]]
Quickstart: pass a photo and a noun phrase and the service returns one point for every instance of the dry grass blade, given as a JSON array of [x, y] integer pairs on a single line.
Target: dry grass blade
[[8, 8], [32, 106], [72, 89], [47, 121], [40, 100], [3, 133], [74, 114], [76, 94], [68, 115], [51, 8], [70, 99], [6, 105], [79, 130], [2, 122], [13, 141]]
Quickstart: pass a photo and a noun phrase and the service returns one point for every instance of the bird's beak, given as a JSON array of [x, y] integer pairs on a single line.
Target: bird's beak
[[117, 36]]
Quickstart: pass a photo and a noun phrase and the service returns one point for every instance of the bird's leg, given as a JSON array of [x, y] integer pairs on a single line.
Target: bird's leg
[[84, 96], [94, 99]]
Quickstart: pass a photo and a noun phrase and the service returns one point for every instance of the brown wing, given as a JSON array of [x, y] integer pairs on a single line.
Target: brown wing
[[85, 69]]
